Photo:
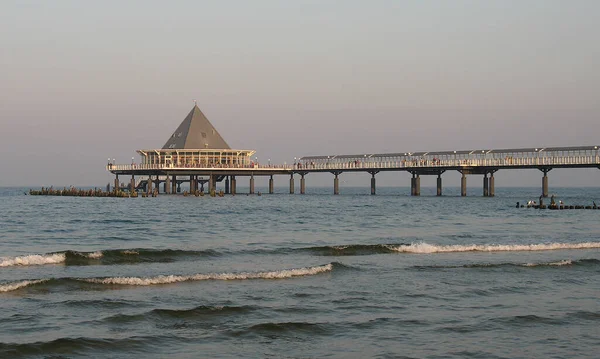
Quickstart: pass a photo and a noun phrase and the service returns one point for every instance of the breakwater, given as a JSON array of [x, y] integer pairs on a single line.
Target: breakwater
[[78, 192], [556, 206]]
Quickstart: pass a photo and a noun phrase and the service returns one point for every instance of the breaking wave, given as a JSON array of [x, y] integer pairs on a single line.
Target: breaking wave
[[105, 257], [9, 287], [142, 255], [33, 260], [425, 248], [167, 279]]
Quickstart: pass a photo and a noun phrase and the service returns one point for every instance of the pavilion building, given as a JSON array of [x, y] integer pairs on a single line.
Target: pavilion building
[[194, 153], [196, 144]]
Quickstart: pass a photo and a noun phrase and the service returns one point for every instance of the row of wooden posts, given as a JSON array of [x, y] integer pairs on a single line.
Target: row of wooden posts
[[96, 192]]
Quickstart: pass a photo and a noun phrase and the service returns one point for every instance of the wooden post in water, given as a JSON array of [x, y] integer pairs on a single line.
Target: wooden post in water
[[302, 184], [292, 183], [463, 185], [271, 185], [492, 190], [439, 184], [252, 184]]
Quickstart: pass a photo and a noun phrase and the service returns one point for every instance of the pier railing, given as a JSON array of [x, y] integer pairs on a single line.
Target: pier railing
[[385, 164], [451, 163], [582, 156]]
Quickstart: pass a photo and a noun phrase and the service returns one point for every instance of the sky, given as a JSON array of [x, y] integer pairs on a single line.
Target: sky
[[84, 81]]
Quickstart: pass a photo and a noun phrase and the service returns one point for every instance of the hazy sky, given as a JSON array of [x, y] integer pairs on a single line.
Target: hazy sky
[[82, 81]]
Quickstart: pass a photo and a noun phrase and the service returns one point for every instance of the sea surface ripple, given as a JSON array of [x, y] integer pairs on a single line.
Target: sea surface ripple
[[300, 276]]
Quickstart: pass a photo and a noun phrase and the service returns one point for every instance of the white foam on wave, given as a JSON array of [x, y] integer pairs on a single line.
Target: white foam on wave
[[565, 262], [424, 248], [14, 286], [166, 279], [93, 255], [33, 260]]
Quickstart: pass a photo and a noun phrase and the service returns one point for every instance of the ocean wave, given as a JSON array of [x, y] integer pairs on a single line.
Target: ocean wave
[[77, 346], [202, 313], [33, 260], [561, 263], [105, 257], [564, 262], [425, 248], [167, 279], [292, 329], [9, 287], [352, 249]]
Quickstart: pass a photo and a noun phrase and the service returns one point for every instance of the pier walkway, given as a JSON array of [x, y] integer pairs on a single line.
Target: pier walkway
[[466, 162]]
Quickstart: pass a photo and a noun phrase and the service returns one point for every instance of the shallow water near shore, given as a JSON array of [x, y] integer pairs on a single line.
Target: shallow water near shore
[[300, 276]]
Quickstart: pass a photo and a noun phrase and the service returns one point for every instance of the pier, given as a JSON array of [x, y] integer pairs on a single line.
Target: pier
[[196, 156]]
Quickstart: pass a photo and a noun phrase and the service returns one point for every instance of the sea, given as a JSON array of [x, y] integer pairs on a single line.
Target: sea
[[300, 276]]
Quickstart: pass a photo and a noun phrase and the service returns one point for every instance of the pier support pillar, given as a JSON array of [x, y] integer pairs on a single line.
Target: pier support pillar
[[336, 183], [302, 184], [132, 184], [545, 182], [418, 185], [271, 185], [192, 188], [227, 188], [251, 184], [439, 185], [211, 183], [233, 185], [373, 188], [292, 184], [149, 185], [117, 183], [415, 185], [174, 185], [373, 182], [492, 190], [168, 185], [486, 191], [463, 185]]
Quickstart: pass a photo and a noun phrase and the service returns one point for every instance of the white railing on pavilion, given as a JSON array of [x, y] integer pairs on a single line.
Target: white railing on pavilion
[[129, 167]]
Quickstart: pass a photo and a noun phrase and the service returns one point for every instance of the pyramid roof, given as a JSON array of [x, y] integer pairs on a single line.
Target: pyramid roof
[[196, 132]]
